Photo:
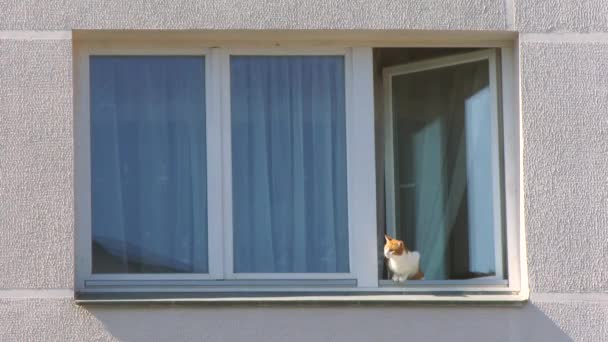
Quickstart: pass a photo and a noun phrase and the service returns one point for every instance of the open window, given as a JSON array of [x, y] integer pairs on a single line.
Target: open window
[[442, 163], [231, 172]]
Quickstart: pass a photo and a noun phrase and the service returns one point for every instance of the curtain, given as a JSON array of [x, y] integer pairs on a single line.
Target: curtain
[[289, 164], [445, 176], [148, 164]]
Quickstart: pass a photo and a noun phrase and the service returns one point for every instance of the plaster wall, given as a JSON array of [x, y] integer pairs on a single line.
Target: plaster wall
[[563, 59]]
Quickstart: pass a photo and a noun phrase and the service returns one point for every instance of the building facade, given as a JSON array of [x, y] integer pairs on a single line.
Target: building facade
[[548, 95]]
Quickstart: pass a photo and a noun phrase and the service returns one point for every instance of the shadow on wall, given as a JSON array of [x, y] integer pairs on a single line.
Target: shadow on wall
[[334, 323]]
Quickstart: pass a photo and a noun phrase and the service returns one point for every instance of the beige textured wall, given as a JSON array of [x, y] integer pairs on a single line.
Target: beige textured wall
[[61, 320], [36, 149], [565, 125], [563, 49], [253, 14]]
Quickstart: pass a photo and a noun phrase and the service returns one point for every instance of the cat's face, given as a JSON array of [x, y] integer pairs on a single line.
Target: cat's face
[[393, 247]]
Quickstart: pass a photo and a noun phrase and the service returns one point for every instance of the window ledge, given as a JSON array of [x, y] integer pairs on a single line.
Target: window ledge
[[505, 299]]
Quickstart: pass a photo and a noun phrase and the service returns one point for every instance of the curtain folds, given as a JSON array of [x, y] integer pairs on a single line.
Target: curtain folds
[[148, 164], [289, 164], [445, 178]]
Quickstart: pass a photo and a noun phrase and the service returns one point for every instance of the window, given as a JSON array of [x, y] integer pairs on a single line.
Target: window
[[288, 129], [442, 162], [254, 170], [148, 194]]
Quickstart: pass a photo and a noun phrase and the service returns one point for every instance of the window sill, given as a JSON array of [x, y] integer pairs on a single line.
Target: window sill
[[278, 298], [266, 292]]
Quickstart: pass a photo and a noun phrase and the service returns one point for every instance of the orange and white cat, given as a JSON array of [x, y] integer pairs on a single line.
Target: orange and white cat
[[403, 263]]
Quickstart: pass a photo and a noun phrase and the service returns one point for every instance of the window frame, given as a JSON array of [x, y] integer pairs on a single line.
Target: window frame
[[219, 176], [226, 162], [361, 182], [437, 63], [82, 155]]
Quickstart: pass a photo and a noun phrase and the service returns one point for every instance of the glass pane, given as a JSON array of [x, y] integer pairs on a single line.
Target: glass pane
[[148, 168], [444, 179], [289, 164]]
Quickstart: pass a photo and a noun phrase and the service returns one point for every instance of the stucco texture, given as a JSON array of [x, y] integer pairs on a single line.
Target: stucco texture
[[561, 16], [253, 14], [36, 178], [564, 106], [565, 129], [61, 320]]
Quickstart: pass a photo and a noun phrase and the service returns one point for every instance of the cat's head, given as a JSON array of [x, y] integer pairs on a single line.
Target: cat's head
[[393, 247]]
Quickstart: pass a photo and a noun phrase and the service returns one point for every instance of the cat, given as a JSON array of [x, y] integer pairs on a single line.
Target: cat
[[403, 263]]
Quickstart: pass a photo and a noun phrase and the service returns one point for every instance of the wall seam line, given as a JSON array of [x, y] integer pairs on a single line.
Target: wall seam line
[[35, 35], [36, 293], [510, 14], [560, 297], [564, 37]]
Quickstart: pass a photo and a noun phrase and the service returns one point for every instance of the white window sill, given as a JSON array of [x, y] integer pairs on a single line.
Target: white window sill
[[310, 291], [267, 298]]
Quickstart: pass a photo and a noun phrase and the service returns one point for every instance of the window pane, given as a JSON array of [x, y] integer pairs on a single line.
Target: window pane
[[148, 168], [445, 202], [289, 164]]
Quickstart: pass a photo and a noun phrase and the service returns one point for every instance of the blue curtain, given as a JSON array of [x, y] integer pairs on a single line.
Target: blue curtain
[[148, 164], [289, 164]]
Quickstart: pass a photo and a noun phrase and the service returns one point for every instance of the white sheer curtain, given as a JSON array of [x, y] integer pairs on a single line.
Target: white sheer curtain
[[289, 164], [148, 167], [480, 179]]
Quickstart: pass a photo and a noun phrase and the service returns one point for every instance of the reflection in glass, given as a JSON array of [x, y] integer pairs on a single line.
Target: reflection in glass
[[445, 202], [148, 168]]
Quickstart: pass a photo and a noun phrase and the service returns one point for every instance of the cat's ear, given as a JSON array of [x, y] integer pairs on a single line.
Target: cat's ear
[[387, 238], [402, 245]]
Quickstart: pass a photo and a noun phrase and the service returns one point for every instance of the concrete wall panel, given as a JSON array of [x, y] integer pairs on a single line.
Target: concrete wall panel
[[561, 16], [61, 320], [565, 129], [36, 157], [253, 14]]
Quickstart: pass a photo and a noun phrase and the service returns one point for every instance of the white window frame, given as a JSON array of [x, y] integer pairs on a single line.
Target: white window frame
[[226, 161], [219, 174], [361, 184], [489, 55], [82, 156]]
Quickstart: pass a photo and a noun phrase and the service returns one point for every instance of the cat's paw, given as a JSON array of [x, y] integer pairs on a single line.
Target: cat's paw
[[402, 279], [395, 278]]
